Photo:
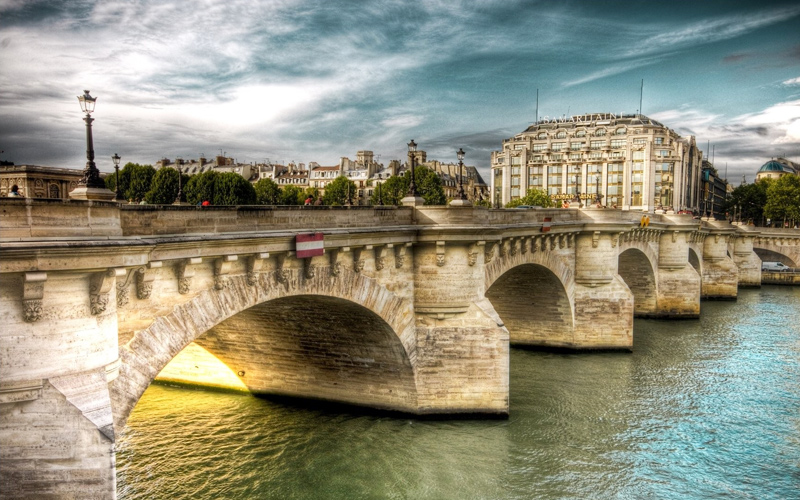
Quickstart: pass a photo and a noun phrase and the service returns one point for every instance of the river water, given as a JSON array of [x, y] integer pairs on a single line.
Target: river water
[[701, 409]]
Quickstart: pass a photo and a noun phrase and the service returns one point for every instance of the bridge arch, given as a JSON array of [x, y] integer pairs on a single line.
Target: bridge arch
[[235, 318], [695, 261], [638, 270], [770, 255], [533, 294]]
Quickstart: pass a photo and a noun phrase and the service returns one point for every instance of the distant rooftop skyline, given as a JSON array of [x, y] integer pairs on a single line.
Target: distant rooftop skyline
[[313, 81]]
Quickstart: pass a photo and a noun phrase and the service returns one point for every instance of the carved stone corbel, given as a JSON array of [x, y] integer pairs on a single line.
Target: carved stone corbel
[[144, 279], [309, 271], [281, 276], [488, 251], [562, 241], [333, 255], [553, 242], [440, 252], [501, 248], [185, 272], [222, 266], [380, 257], [570, 240], [122, 289], [595, 239], [512, 246], [675, 236], [99, 286], [400, 255], [358, 262], [253, 265], [32, 294], [472, 253], [523, 245]]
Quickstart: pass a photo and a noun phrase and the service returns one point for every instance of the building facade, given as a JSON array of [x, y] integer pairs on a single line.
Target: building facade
[[36, 181], [634, 162], [714, 193]]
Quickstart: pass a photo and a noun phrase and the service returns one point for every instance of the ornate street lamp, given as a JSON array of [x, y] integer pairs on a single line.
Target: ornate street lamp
[[412, 157], [461, 194], [380, 196], [91, 176], [577, 198], [598, 198], [349, 201], [116, 160]]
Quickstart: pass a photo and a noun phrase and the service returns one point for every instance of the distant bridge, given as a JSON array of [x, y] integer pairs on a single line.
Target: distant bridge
[[409, 309]]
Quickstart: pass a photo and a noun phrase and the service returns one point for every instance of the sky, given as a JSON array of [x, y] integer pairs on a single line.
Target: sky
[[303, 81]]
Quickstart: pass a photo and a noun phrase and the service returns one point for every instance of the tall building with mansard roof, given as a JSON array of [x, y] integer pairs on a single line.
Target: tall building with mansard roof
[[634, 161]]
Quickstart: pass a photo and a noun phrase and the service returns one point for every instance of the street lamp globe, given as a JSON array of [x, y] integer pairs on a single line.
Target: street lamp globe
[[87, 102]]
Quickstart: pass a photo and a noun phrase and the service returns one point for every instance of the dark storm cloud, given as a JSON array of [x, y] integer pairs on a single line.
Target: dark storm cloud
[[316, 80]]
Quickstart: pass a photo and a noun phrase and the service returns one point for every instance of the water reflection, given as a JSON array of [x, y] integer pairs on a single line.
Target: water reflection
[[706, 408]]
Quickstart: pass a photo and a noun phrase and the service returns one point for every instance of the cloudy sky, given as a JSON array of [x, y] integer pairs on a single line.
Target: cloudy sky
[[311, 80]]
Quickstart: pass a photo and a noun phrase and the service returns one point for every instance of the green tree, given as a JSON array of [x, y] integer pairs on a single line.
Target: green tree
[[201, 187], [534, 197], [750, 200], [164, 187], [392, 190], [291, 195], [267, 192], [139, 180], [336, 191], [232, 189], [783, 199], [483, 202], [395, 188], [429, 186]]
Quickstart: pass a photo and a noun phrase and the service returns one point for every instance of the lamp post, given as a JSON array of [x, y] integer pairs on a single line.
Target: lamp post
[[460, 155], [460, 199], [349, 201], [577, 186], [116, 160], [180, 185], [412, 157], [598, 198], [91, 176], [380, 196]]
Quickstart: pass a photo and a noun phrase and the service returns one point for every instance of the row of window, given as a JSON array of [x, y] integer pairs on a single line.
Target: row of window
[[601, 132]]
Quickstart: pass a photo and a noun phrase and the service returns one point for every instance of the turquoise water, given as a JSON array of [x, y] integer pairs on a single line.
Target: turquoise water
[[706, 408]]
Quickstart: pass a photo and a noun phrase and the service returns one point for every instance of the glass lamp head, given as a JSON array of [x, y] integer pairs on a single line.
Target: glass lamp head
[[87, 102]]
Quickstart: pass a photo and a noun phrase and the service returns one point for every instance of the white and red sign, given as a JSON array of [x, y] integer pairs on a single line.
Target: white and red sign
[[546, 224], [309, 245]]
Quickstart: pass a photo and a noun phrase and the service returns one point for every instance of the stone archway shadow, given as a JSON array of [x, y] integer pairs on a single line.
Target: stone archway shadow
[[146, 354]]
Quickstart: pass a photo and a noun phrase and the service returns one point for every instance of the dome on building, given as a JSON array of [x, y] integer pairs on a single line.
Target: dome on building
[[776, 166]]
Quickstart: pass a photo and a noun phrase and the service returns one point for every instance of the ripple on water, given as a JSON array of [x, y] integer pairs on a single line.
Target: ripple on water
[[706, 408]]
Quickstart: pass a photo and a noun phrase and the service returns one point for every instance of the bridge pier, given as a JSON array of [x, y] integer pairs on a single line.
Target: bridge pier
[[720, 274], [462, 346], [603, 303], [747, 262], [59, 354], [678, 286]]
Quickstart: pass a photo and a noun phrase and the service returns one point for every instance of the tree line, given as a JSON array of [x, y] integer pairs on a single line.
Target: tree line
[[766, 202], [143, 183]]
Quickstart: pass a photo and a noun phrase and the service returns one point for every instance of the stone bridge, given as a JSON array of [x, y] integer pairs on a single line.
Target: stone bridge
[[408, 309]]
